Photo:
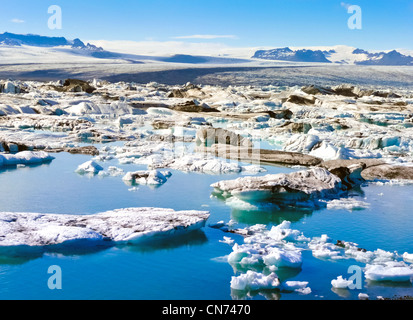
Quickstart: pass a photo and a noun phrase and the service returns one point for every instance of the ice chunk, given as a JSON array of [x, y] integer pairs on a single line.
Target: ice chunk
[[363, 296], [122, 225], [283, 258], [153, 177], [408, 257], [89, 167], [327, 151], [301, 143], [303, 188], [294, 285], [198, 163], [255, 281], [160, 111], [341, 283], [390, 271], [349, 204], [25, 157], [252, 169], [268, 248], [227, 240]]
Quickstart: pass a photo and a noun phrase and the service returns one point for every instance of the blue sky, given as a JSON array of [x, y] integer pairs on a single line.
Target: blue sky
[[238, 23]]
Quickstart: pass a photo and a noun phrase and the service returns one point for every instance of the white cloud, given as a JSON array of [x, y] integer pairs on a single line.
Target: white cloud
[[206, 36], [345, 5], [15, 20]]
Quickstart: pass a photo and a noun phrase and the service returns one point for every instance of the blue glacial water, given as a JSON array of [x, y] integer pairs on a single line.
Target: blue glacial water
[[191, 266]]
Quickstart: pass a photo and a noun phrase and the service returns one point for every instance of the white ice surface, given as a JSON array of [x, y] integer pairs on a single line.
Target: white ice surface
[[121, 225]]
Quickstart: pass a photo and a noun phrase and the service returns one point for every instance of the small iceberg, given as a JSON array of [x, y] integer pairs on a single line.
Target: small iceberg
[[152, 177], [349, 204], [89, 167], [390, 271], [25, 158], [303, 188], [341, 283], [255, 281]]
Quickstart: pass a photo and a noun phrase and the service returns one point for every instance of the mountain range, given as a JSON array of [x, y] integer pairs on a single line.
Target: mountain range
[[339, 54], [12, 39], [329, 55]]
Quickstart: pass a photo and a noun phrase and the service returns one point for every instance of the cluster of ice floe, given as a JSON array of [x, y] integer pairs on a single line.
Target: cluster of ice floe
[[343, 122], [336, 123], [160, 125], [265, 252], [164, 155]]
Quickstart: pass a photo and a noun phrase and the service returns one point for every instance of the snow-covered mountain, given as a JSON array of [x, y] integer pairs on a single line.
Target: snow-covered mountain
[[19, 48], [30, 48], [12, 39], [337, 54], [286, 54]]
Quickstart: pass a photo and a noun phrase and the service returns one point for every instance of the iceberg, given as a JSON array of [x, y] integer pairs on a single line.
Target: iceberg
[[152, 177], [269, 248], [347, 204], [122, 225], [89, 167], [303, 188], [341, 283], [25, 158], [255, 281], [390, 271], [282, 258], [408, 257]]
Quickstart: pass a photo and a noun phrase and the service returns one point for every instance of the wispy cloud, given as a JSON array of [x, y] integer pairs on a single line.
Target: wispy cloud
[[345, 5], [15, 20], [206, 36]]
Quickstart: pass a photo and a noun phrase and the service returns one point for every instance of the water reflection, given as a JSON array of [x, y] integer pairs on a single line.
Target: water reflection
[[251, 217], [15, 255], [10, 168], [192, 238], [273, 294]]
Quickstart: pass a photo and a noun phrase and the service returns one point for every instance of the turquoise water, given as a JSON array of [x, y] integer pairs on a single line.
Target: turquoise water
[[192, 266]]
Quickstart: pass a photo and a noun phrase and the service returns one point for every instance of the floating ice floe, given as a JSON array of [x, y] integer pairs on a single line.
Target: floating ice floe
[[390, 271], [169, 156], [269, 248], [227, 240], [152, 177], [255, 281], [327, 151], [297, 286], [349, 204], [408, 257], [301, 143], [122, 225], [112, 171], [303, 188], [282, 247], [341, 283], [25, 158], [89, 167]]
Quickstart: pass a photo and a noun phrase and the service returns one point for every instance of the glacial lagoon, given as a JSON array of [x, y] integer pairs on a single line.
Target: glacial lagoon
[[178, 268]]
